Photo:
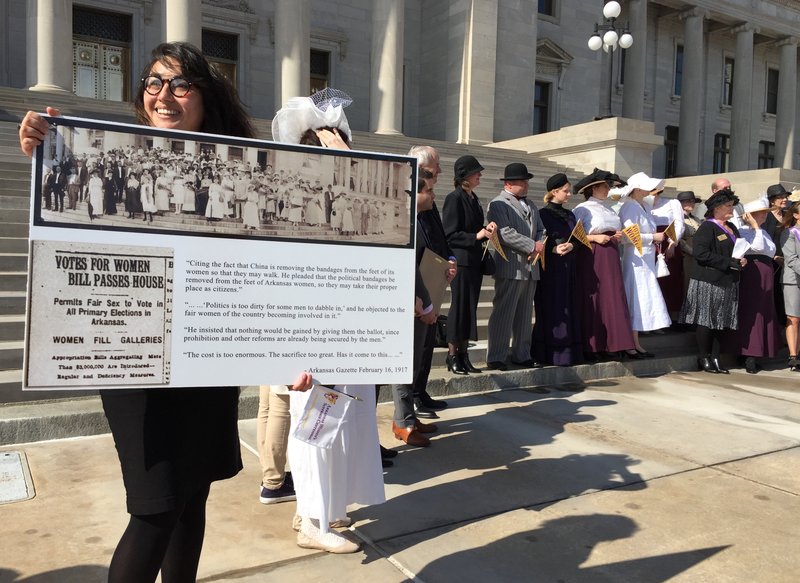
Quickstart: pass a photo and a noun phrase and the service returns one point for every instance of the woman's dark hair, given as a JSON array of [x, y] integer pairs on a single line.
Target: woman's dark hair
[[788, 220], [310, 138], [223, 112]]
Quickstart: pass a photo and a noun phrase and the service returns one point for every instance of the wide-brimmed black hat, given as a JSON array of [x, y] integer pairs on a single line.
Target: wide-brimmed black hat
[[465, 166], [687, 195], [556, 181], [517, 171], [777, 190], [598, 177], [718, 199]]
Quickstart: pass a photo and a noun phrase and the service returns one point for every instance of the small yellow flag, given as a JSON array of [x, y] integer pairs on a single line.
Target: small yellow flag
[[635, 235], [495, 241], [670, 232], [542, 254], [580, 234]]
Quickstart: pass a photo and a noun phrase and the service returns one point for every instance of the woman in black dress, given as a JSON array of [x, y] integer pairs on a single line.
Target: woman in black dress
[[712, 300], [462, 218], [173, 442], [557, 334]]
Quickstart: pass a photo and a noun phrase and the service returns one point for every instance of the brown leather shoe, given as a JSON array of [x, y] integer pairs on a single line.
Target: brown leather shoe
[[410, 436], [425, 427]]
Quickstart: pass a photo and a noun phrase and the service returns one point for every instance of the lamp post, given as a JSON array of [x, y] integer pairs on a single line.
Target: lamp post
[[608, 36]]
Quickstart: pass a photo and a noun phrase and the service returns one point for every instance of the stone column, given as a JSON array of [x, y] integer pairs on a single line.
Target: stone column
[[183, 22], [786, 118], [692, 91], [292, 49], [386, 80], [53, 52], [478, 73], [635, 62], [742, 97]]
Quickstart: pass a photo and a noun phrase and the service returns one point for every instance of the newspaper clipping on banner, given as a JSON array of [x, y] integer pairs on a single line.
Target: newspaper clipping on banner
[[172, 259]]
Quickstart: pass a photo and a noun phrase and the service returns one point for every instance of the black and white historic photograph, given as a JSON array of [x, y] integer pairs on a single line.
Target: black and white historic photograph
[[101, 176]]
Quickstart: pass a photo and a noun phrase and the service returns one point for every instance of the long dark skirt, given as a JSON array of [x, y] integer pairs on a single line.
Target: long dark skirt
[[557, 333], [604, 313], [462, 318], [759, 333]]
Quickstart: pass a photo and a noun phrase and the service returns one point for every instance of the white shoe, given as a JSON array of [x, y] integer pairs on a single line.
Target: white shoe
[[297, 522], [332, 542]]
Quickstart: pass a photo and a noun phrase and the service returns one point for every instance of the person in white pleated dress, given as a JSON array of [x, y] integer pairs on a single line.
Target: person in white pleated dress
[[645, 301], [326, 481]]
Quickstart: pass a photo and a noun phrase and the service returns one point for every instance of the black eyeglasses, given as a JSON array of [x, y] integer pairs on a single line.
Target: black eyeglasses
[[178, 86]]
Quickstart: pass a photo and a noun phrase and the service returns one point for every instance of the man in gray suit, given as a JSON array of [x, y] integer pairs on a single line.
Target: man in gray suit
[[521, 233]]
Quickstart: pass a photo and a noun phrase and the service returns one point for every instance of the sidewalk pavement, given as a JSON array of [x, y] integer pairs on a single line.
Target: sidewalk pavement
[[684, 477]]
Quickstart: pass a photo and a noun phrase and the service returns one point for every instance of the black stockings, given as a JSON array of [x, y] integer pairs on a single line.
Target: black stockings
[[170, 542], [706, 344]]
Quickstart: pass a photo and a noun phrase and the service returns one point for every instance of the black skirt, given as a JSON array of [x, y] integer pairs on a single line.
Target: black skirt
[[172, 442], [465, 290]]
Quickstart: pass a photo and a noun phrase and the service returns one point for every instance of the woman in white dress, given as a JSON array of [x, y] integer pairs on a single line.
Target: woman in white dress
[[327, 480], [95, 195], [337, 213], [665, 212], [250, 216], [217, 205], [645, 301], [348, 227], [162, 186], [148, 197]]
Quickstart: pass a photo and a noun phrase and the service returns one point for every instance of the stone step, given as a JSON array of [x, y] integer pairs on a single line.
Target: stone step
[[13, 262], [13, 245], [8, 216], [13, 281], [12, 335], [12, 302], [15, 230], [15, 201]]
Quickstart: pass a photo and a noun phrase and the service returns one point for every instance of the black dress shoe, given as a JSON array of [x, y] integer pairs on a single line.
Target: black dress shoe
[[631, 355], [530, 363], [645, 353], [719, 367], [467, 364], [424, 412], [431, 403], [496, 365], [705, 364], [454, 364], [386, 463], [387, 454], [750, 365]]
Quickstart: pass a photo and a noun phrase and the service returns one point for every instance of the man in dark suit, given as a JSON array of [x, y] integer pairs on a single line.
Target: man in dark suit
[[57, 183], [521, 233]]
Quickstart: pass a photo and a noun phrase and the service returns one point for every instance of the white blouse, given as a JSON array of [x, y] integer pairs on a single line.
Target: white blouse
[[760, 242], [667, 210], [597, 217]]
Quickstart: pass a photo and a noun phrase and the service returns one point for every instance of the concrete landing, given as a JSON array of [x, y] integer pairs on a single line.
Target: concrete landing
[[684, 477]]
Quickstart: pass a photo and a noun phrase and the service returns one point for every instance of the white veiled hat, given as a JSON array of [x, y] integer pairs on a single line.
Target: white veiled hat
[[323, 109], [619, 191], [759, 204]]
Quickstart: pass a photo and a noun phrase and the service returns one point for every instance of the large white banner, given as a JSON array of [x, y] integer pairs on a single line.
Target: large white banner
[[174, 259]]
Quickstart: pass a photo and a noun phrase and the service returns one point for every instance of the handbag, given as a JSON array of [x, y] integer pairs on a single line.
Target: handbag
[[488, 266], [440, 338], [661, 266]]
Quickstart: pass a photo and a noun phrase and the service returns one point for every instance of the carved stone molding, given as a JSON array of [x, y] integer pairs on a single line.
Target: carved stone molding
[[237, 5]]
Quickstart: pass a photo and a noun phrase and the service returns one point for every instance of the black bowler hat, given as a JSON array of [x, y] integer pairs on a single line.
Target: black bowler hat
[[517, 171], [556, 181], [718, 199], [465, 166], [687, 195], [777, 190]]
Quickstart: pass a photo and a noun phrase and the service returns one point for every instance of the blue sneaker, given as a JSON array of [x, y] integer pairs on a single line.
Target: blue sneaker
[[283, 494]]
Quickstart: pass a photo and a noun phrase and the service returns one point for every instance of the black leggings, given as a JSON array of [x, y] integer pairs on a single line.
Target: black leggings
[[705, 341], [170, 542]]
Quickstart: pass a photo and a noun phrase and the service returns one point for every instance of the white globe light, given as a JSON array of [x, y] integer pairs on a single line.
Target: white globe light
[[595, 42], [610, 37], [612, 10], [626, 40]]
